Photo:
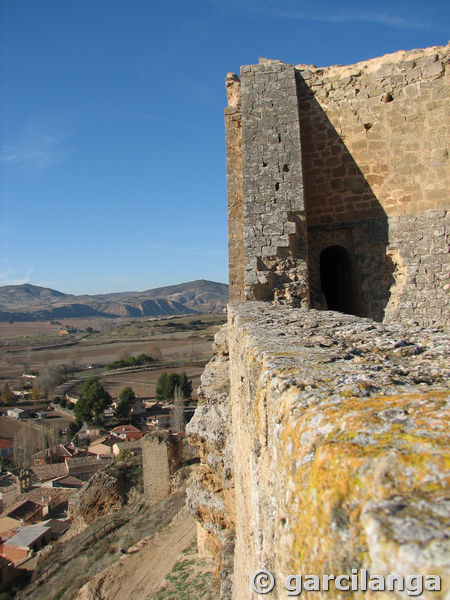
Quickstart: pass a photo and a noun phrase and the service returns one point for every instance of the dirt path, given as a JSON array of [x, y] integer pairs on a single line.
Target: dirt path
[[140, 573]]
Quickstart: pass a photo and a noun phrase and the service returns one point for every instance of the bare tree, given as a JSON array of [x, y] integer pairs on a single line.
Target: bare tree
[[178, 422], [28, 442], [49, 378], [26, 360], [73, 361], [52, 437], [154, 352], [124, 354]]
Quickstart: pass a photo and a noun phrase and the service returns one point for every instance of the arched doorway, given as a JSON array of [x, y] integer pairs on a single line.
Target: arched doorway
[[337, 280]]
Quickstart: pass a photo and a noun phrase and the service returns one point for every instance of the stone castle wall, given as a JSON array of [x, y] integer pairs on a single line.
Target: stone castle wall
[[354, 157], [323, 436], [324, 447], [327, 444], [376, 177], [375, 136], [233, 131]]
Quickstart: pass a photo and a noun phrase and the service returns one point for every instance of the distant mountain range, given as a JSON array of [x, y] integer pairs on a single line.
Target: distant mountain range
[[33, 303]]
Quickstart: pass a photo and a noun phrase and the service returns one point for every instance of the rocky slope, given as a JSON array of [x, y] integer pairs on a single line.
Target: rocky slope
[[139, 573], [33, 303]]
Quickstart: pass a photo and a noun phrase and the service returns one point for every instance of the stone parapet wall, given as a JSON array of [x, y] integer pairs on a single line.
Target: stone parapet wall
[[335, 438]]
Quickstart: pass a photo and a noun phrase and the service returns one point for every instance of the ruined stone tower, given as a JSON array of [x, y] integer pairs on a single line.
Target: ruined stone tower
[[323, 435], [338, 184]]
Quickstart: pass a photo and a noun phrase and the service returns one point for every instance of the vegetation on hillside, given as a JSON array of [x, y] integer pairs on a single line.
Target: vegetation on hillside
[[7, 396], [131, 361], [93, 401], [126, 400], [167, 383], [191, 578]]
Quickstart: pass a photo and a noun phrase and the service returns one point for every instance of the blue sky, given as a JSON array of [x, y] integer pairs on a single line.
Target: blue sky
[[112, 157]]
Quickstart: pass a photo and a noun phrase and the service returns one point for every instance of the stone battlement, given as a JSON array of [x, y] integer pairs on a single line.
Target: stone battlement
[[322, 418]]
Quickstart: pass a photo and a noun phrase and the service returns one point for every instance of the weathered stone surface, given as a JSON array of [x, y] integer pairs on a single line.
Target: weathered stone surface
[[339, 454], [233, 138], [162, 454], [375, 161], [335, 421], [211, 495], [272, 182]]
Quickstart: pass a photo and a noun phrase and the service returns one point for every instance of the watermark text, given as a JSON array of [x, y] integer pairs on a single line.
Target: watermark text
[[263, 582]]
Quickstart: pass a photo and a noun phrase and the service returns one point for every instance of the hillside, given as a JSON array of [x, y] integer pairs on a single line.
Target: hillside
[[33, 303]]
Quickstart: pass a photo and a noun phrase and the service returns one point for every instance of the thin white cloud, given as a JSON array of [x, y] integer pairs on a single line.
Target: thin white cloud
[[16, 275], [38, 147], [400, 15], [355, 17]]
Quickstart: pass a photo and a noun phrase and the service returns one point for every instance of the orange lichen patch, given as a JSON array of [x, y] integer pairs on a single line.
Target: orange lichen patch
[[347, 455]]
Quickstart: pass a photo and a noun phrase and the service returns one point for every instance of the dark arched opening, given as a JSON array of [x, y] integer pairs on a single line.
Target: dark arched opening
[[337, 280]]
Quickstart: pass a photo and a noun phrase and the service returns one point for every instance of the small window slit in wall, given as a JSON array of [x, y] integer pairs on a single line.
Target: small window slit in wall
[[285, 168], [264, 164], [277, 186], [279, 138]]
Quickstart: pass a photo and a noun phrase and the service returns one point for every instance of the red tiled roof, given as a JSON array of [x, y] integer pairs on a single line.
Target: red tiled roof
[[61, 450], [84, 461], [107, 441], [43, 495], [46, 472], [23, 508], [6, 443], [69, 480], [126, 429]]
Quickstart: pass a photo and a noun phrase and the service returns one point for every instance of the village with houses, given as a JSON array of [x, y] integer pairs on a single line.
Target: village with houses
[[36, 487]]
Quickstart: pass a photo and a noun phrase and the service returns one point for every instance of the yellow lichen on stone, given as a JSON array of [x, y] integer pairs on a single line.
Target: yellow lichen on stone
[[353, 464]]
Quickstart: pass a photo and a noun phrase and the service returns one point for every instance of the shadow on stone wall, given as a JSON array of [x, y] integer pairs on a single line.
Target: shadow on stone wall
[[342, 211]]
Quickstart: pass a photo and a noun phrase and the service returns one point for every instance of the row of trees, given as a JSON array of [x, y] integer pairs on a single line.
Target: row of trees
[[94, 398], [131, 361]]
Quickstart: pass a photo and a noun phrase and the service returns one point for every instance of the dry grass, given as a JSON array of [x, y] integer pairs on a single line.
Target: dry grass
[[78, 566], [191, 578]]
